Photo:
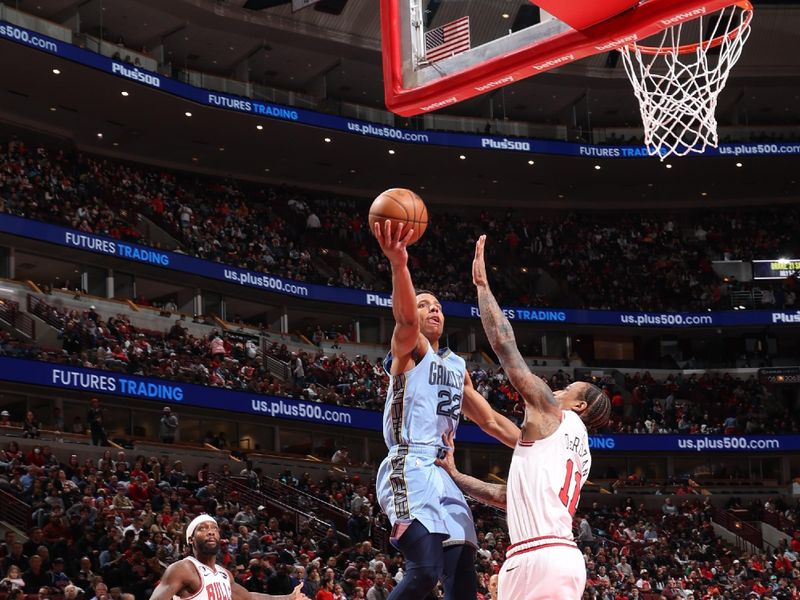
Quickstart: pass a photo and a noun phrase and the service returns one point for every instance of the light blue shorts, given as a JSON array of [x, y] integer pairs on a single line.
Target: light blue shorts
[[410, 486]]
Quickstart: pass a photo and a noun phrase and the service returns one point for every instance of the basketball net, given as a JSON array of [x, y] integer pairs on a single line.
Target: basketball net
[[678, 81]]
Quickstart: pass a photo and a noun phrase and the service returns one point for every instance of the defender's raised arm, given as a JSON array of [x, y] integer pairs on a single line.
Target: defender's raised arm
[[501, 337]]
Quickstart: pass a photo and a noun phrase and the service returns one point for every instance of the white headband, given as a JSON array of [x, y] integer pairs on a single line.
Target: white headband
[[195, 522]]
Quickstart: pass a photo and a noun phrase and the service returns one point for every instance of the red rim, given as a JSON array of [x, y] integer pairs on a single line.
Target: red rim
[[745, 5]]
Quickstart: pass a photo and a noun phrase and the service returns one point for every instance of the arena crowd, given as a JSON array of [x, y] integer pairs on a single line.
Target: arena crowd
[[106, 529], [642, 261], [693, 404]]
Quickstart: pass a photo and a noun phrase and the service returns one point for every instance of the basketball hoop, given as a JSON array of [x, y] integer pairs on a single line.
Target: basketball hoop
[[677, 82]]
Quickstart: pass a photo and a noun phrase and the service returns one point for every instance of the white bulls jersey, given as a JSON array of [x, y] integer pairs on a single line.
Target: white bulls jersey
[[544, 486], [215, 583]]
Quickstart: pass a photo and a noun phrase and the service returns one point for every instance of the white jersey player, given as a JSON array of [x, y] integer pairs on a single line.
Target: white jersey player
[[199, 577], [550, 465], [544, 485]]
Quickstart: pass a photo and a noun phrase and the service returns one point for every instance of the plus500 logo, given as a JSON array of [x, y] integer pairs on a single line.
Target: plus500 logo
[[136, 75], [505, 144]]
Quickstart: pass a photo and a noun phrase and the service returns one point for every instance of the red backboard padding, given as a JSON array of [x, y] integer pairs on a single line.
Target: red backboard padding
[[580, 14]]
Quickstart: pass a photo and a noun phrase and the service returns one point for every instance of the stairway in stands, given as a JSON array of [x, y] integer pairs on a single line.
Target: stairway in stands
[[308, 510]]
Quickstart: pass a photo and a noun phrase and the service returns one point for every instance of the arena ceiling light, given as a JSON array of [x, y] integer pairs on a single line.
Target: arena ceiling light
[[56, 71], [259, 127], [327, 140], [124, 93], [462, 157], [597, 167], [530, 162], [188, 114], [391, 152], [100, 135], [739, 165], [668, 166]]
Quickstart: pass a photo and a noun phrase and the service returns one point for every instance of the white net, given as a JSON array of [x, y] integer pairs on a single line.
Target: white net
[[678, 81]]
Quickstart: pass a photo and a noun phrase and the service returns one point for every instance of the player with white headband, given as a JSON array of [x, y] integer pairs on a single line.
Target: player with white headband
[[199, 577]]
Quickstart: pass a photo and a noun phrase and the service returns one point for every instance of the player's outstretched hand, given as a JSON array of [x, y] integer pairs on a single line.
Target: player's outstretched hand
[[479, 277], [448, 463], [393, 242]]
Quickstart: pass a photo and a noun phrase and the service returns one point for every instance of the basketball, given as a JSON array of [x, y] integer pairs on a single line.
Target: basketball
[[400, 205]]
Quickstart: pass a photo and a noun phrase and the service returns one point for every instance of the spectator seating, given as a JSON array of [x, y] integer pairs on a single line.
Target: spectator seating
[[621, 261]]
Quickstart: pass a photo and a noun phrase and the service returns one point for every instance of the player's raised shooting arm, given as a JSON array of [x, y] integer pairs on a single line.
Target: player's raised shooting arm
[[493, 494], [176, 578], [393, 242], [477, 409], [501, 337]]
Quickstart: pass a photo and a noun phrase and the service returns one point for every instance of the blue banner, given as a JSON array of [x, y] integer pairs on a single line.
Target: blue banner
[[174, 393], [221, 100], [224, 273], [694, 443]]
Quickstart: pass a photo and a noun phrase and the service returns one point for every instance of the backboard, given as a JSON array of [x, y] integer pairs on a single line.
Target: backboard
[[437, 53]]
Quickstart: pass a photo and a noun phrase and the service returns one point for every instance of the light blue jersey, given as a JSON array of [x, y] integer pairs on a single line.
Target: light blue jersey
[[422, 404]]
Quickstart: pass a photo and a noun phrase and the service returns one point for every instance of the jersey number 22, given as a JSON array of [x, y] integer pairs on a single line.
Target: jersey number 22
[[449, 405]]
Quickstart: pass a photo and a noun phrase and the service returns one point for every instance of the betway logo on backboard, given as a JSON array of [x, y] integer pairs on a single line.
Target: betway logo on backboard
[[496, 83], [623, 41], [439, 104], [549, 64], [685, 16]]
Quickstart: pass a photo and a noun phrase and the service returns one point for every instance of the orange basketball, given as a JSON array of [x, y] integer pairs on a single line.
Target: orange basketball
[[400, 205]]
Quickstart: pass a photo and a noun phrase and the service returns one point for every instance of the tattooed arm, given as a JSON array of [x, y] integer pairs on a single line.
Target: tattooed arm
[[501, 336], [493, 494]]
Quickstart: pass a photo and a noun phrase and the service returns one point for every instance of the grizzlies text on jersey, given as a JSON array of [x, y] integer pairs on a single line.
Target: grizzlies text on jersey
[[422, 404]]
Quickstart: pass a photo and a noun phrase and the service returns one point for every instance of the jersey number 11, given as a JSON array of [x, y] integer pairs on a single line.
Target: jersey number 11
[[564, 494]]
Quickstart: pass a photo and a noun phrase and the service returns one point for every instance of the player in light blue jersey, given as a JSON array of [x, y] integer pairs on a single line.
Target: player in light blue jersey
[[430, 388]]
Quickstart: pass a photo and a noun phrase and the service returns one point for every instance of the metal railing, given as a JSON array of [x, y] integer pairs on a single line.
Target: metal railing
[[14, 511], [378, 535], [276, 367], [17, 320], [278, 489], [277, 504], [307, 509], [743, 530], [779, 522], [40, 308], [746, 298]]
